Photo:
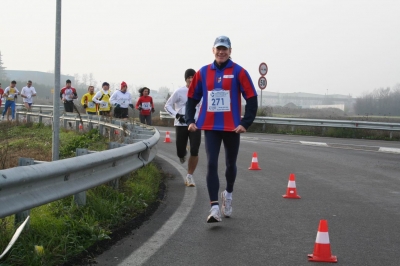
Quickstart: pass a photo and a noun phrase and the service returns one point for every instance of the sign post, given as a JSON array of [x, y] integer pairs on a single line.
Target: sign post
[[262, 81]]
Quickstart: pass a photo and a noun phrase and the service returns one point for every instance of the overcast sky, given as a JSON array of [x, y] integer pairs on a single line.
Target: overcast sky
[[315, 46]]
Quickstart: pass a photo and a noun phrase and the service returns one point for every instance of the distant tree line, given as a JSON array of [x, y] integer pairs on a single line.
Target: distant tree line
[[381, 101]]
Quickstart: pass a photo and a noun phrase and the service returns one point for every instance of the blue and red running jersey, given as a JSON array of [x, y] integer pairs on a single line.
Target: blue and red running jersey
[[221, 90]]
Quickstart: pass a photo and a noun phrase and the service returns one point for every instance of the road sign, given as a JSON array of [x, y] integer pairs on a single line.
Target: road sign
[[262, 83], [263, 69]]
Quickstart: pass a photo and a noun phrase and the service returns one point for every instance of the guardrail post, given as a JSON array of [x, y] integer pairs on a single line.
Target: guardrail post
[[77, 126], [101, 129], [28, 118], [390, 135], [40, 117], [114, 183], [21, 216], [90, 124], [80, 198], [293, 127]]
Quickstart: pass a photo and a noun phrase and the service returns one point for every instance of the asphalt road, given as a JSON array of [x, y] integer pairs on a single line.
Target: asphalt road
[[353, 184]]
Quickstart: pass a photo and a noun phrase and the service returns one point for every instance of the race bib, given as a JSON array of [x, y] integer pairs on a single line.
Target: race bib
[[103, 104], [11, 96], [219, 101], [146, 106], [90, 104], [121, 101]]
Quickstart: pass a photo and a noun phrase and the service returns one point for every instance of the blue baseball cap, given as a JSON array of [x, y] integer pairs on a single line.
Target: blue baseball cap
[[222, 41]]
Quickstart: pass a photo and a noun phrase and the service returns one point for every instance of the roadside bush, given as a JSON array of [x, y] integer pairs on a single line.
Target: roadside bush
[[65, 230]]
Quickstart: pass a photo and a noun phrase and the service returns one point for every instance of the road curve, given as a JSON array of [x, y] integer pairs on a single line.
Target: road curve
[[354, 184]]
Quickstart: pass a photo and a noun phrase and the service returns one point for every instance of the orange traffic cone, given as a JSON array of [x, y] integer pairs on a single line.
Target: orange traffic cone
[[80, 127], [254, 162], [322, 247], [167, 138], [291, 191]]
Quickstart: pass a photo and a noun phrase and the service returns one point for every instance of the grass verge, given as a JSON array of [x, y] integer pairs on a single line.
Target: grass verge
[[63, 231]]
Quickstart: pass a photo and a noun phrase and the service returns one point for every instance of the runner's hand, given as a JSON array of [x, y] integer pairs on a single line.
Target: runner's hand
[[239, 129], [192, 127]]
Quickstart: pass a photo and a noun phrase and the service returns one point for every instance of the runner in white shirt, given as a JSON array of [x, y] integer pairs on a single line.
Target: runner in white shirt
[[121, 100], [27, 93], [175, 106]]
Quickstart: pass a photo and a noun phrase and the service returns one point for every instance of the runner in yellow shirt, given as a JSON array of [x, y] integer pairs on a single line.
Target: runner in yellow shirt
[[88, 103]]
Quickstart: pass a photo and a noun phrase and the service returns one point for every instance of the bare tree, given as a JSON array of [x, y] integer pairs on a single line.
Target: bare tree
[[77, 80], [91, 79], [2, 69], [84, 81]]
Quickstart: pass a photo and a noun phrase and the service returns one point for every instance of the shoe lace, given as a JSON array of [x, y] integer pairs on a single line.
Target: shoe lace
[[228, 203], [215, 212]]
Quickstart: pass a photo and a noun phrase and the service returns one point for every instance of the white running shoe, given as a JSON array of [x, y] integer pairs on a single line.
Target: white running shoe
[[215, 215], [189, 181], [226, 204]]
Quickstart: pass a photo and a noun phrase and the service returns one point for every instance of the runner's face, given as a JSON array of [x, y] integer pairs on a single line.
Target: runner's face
[[145, 92], [91, 90], [29, 84], [123, 89], [188, 81], [68, 85], [105, 88], [221, 54]]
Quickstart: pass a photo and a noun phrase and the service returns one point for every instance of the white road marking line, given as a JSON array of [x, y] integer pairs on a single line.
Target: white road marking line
[[314, 143], [392, 150], [249, 141], [151, 246]]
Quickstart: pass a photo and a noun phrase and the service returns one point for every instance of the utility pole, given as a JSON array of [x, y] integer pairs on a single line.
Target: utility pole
[[56, 98]]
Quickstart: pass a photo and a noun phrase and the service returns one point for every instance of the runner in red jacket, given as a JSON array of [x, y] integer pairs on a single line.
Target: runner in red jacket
[[145, 106]]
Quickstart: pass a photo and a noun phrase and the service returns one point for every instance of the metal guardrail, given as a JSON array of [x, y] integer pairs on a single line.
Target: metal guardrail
[[318, 122], [37, 107], [26, 187]]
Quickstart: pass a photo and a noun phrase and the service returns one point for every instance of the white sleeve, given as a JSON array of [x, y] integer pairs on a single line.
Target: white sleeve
[[97, 97], [113, 99], [169, 105]]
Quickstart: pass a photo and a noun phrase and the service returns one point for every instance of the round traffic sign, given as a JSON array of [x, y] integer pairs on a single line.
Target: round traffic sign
[[263, 69], [262, 82]]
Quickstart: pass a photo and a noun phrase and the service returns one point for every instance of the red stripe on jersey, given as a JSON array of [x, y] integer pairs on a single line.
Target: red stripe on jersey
[[210, 77], [227, 83], [246, 84], [195, 82]]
